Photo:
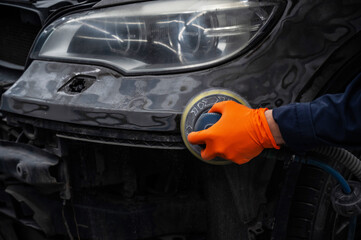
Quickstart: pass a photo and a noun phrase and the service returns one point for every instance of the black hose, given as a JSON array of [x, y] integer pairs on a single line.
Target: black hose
[[350, 161]]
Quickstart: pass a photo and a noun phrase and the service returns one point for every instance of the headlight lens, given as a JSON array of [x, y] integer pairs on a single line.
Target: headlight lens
[[156, 36]]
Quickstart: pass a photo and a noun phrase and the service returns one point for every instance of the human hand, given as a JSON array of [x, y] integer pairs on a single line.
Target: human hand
[[240, 135]]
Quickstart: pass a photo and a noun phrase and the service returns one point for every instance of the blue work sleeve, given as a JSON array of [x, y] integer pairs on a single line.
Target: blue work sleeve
[[333, 119]]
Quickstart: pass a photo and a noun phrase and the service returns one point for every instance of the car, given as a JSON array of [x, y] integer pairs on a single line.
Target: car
[[92, 95]]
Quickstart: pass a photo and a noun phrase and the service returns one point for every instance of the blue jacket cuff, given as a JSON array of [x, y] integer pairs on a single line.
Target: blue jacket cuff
[[295, 123]]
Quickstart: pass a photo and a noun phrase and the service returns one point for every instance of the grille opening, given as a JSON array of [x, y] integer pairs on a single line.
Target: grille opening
[[19, 30], [78, 84]]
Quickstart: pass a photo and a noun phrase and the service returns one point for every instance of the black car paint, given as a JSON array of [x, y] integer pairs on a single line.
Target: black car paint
[[147, 108], [269, 75]]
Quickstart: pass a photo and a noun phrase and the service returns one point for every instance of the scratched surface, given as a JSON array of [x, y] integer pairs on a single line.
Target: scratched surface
[[270, 74]]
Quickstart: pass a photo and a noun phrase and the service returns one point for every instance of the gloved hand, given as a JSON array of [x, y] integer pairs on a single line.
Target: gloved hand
[[240, 134]]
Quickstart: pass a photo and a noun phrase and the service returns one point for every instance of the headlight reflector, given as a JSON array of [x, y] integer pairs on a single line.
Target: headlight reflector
[[156, 36]]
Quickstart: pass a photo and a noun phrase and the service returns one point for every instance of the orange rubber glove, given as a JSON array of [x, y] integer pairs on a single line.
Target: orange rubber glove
[[240, 134]]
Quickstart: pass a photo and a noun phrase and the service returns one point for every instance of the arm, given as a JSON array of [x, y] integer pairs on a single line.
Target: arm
[[333, 119]]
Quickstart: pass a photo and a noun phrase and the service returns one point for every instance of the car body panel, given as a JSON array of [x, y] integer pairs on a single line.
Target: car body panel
[[271, 74], [124, 192]]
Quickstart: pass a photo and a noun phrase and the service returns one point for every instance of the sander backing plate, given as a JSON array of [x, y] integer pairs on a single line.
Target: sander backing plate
[[198, 105]]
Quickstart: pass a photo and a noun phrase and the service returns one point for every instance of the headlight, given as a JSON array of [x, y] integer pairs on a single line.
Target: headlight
[[156, 36]]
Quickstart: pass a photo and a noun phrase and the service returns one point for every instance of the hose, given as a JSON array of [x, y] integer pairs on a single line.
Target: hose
[[345, 186], [342, 156]]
